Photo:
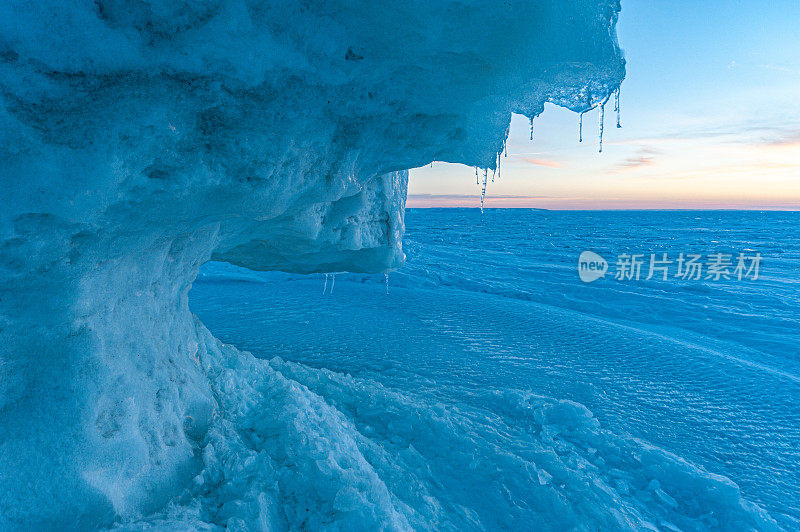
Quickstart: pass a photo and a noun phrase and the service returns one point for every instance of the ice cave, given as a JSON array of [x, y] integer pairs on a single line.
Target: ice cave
[[140, 139]]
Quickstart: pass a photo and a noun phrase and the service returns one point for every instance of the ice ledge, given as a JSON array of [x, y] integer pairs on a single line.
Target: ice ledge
[[139, 139]]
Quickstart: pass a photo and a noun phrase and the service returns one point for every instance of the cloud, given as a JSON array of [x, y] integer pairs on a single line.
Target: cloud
[[779, 68], [781, 137], [754, 134], [473, 196], [542, 162], [474, 200], [644, 157], [636, 162]]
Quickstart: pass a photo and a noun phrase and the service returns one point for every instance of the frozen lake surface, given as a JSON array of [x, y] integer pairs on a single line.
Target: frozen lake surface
[[489, 317]]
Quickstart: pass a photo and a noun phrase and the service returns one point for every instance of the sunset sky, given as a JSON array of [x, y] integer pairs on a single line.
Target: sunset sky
[[710, 115]]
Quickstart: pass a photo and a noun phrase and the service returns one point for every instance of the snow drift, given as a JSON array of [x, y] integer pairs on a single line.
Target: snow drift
[[140, 139]]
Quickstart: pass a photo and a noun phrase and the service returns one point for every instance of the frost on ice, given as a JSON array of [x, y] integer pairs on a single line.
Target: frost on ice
[[140, 139]]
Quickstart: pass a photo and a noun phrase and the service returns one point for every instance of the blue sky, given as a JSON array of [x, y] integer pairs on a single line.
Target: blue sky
[[710, 114]]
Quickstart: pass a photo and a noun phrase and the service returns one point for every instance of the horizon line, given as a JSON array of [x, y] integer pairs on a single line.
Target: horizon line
[[688, 209], [459, 201]]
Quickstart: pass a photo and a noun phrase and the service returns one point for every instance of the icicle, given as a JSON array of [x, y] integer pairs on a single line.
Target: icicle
[[616, 106], [580, 128], [477, 179], [531, 128], [505, 148], [333, 282], [386, 281], [483, 188], [325, 286], [602, 120]]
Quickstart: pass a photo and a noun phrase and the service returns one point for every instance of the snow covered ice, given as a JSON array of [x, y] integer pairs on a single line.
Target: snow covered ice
[[141, 139]]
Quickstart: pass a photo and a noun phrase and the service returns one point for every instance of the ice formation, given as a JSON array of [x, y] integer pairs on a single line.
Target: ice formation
[[142, 138]]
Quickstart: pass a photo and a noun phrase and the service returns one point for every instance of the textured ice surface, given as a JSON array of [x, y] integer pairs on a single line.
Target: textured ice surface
[[490, 306], [308, 448], [139, 139]]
